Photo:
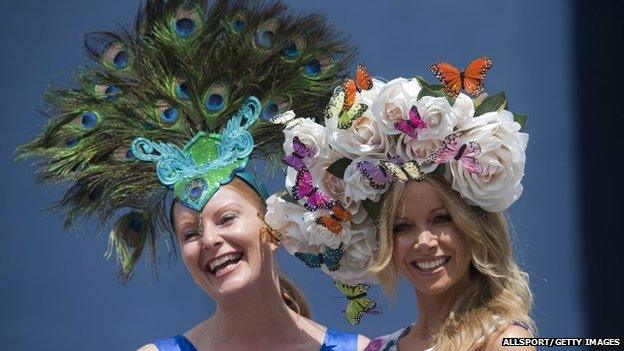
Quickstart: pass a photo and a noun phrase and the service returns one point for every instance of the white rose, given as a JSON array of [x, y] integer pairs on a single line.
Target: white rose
[[412, 149], [310, 133], [502, 158], [358, 186], [358, 255], [364, 137], [394, 102], [464, 107], [439, 116]]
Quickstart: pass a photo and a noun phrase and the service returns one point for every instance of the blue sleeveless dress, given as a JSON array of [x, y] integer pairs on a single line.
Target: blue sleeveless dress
[[335, 340]]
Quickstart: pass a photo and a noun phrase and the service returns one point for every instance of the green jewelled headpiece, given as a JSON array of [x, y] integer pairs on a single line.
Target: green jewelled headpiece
[[174, 82]]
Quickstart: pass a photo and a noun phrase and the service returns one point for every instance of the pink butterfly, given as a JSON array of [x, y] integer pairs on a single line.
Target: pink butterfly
[[466, 154], [410, 126], [304, 188], [301, 152]]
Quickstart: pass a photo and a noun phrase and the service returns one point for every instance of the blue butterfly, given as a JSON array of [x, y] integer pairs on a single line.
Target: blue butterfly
[[330, 258]]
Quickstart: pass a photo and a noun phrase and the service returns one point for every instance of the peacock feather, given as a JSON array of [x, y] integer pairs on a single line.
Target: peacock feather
[[184, 68]]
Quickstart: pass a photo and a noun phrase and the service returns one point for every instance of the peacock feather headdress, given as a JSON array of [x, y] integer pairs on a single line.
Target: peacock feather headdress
[[179, 105]]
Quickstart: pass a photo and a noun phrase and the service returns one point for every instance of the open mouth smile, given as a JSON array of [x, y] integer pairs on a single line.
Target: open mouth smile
[[430, 265], [223, 264]]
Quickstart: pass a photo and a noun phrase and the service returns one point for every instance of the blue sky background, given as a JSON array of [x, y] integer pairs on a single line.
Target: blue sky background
[[58, 292]]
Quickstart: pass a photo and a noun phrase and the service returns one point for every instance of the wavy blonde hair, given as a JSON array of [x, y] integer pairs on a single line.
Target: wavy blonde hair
[[498, 295]]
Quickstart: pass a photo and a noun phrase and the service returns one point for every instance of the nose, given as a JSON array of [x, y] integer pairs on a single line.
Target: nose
[[426, 241], [210, 238]]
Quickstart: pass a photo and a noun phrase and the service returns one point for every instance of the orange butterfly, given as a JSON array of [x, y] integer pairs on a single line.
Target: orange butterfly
[[333, 222], [363, 81], [471, 80]]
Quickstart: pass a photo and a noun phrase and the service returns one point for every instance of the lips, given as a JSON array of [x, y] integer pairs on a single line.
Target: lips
[[430, 264], [222, 262]]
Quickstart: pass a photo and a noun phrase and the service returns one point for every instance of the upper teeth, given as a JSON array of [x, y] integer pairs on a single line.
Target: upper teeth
[[431, 264], [216, 262]]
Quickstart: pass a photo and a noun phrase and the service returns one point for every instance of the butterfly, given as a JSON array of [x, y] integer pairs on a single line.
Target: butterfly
[[362, 81], [466, 154], [346, 118], [334, 107], [358, 303], [301, 151], [410, 126], [333, 221], [471, 80], [404, 171], [330, 258], [269, 234], [376, 174], [304, 188]]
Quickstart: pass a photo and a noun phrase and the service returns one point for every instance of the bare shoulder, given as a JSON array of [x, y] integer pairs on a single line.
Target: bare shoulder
[[362, 342], [148, 347], [495, 341]]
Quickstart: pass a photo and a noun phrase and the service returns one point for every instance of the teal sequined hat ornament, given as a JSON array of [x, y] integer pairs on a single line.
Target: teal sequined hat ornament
[[207, 161], [177, 106]]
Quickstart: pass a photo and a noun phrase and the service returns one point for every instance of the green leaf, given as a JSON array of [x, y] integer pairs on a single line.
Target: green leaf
[[435, 90], [284, 195], [338, 167], [425, 91], [520, 119], [373, 209], [492, 103]]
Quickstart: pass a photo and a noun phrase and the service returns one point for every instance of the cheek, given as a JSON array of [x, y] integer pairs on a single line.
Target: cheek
[[400, 247]]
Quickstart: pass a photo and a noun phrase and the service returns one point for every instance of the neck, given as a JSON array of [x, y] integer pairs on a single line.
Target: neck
[[435, 309], [245, 320]]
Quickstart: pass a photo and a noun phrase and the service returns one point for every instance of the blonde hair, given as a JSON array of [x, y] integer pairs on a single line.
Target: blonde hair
[[498, 295], [292, 296]]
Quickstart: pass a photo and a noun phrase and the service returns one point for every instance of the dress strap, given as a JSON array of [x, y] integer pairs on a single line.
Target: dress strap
[[176, 343], [336, 340]]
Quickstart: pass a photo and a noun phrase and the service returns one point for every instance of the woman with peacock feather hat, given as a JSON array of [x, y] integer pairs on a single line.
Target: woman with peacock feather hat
[[158, 135]]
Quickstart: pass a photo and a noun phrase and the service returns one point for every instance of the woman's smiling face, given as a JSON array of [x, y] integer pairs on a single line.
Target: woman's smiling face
[[428, 248], [221, 246]]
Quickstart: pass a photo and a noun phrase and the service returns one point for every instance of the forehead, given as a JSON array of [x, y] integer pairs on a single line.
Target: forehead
[[418, 198], [226, 195]]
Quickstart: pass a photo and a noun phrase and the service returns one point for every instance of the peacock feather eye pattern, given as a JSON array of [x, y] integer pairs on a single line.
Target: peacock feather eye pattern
[[216, 97], [87, 120], [265, 34], [109, 92], [273, 107], [295, 48], [167, 114], [238, 24], [317, 66], [181, 89], [186, 22]]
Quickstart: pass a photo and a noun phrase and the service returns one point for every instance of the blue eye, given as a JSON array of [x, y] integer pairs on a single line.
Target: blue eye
[[266, 34], [122, 59], [167, 114], [71, 142], [316, 66], [239, 23], [294, 49], [186, 22], [89, 120], [182, 91], [116, 54], [215, 98]]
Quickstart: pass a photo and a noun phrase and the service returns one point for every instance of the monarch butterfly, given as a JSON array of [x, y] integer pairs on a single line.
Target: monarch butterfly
[[363, 81], [454, 79], [332, 222]]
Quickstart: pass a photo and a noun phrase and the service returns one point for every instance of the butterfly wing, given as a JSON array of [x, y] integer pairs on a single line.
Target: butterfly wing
[[357, 308], [350, 90], [415, 118], [446, 152], [332, 258], [334, 107], [340, 212], [406, 127], [469, 158], [318, 199], [303, 184], [301, 149], [351, 291], [293, 161], [376, 174], [394, 170], [474, 75], [346, 118], [414, 171], [330, 223], [363, 79], [311, 260], [449, 75]]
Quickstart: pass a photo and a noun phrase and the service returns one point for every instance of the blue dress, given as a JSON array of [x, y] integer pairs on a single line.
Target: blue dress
[[335, 340]]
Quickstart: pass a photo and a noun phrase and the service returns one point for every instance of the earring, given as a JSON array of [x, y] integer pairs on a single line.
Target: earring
[[269, 234]]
